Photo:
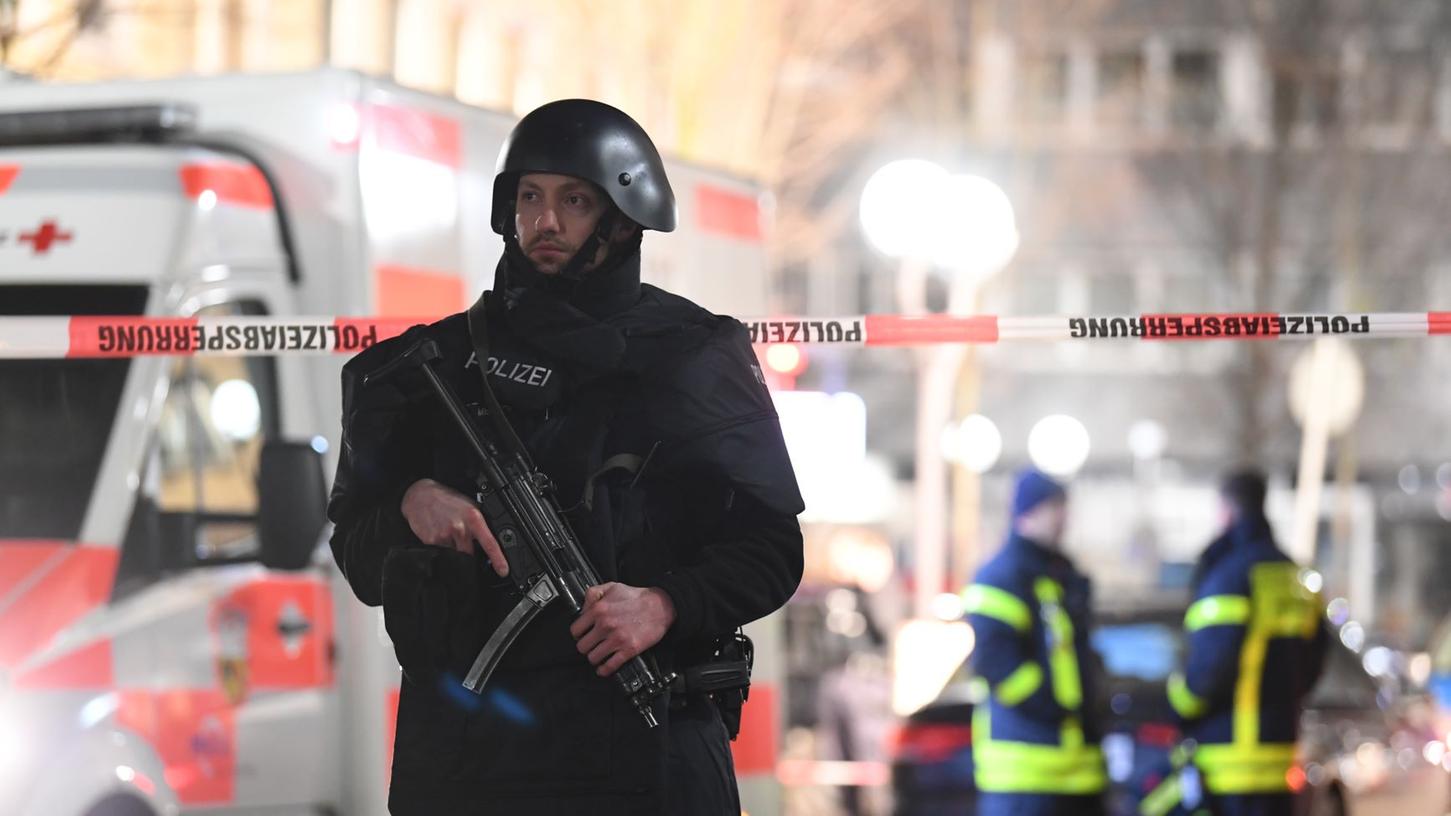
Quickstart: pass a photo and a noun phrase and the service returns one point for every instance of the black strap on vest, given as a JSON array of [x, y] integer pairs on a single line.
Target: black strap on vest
[[479, 337]]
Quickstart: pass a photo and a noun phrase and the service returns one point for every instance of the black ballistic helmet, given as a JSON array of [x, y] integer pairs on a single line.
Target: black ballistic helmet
[[592, 141]]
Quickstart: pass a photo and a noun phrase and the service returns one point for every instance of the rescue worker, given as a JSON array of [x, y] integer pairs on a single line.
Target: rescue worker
[[652, 420], [1256, 643], [1035, 741]]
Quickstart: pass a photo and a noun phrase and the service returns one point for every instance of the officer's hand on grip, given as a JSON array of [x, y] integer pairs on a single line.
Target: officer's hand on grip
[[619, 622], [443, 517]]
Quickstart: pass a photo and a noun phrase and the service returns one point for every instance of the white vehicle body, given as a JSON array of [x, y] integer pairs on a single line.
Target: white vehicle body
[[150, 660]]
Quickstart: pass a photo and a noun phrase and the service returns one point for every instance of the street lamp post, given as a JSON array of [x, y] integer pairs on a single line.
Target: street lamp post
[[918, 213]]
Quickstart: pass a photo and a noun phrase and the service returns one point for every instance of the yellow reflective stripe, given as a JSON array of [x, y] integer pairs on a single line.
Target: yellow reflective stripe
[[1017, 686], [1187, 703], [1217, 610], [981, 599], [1231, 769], [1164, 797], [1247, 688], [1004, 766], [1283, 606], [1062, 662], [1217, 755], [1013, 775], [1070, 734]]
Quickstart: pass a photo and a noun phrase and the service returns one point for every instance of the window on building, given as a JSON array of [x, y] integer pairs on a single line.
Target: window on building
[[1194, 90], [1396, 87], [1036, 295], [1189, 294], [1112, 294], [1310, 100], [1045, 86], [1120, 99]]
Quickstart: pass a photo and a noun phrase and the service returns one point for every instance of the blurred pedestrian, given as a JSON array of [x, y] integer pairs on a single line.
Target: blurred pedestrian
[[1035, 745], [1256, 644]]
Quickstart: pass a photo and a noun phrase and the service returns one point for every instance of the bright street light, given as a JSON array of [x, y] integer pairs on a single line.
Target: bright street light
[[973, 443], [1147, 439], [1058, 445], [973, 227], [895, 207], [913, 208]]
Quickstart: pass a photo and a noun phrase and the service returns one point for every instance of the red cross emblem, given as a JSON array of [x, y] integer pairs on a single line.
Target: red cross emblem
[[48, 234]]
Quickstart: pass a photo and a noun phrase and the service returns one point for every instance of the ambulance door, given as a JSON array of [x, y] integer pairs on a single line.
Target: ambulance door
[[238, 692]]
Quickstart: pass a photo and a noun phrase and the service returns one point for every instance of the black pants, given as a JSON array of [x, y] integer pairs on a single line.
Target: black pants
[[1037, 804], [701, 781], [702, 775], [1254, 804]]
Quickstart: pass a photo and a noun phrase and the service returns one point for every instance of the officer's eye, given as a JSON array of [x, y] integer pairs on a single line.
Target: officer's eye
[[528, 195], [577, 200]]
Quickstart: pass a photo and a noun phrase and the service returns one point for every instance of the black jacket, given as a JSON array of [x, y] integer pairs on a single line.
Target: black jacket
[[619, 367]]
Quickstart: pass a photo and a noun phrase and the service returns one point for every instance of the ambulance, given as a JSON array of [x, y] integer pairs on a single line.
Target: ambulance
[[174, 637]]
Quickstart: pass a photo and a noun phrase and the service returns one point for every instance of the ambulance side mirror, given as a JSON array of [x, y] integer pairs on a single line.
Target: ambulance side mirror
[[291, 504]]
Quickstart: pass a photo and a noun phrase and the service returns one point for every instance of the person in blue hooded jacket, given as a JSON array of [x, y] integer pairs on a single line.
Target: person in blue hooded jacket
[[1256, 642], [1035, 741]]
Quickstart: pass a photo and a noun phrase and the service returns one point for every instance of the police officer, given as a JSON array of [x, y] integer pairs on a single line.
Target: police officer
[[1256, 644], [651, 418], [1035, 742]]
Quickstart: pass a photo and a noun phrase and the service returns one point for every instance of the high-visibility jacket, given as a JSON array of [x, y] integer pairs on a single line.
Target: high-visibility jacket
[[1033, 732], [1256, 641]]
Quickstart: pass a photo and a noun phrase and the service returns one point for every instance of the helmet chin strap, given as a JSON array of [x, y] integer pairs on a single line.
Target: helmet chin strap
[[574, 269]]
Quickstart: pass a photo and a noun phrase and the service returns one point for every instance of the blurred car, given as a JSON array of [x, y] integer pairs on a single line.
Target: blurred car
[[1358, 744]]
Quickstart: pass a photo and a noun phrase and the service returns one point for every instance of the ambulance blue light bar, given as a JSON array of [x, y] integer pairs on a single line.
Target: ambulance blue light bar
[[133, 123]]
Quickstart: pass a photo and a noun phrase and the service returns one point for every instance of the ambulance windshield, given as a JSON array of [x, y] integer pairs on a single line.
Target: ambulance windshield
[[56, 416]]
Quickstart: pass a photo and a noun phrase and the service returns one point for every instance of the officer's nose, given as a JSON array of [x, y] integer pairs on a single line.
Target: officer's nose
[[547, 221]]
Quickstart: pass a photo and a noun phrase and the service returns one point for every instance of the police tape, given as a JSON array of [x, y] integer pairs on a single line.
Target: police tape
[[107, 336]]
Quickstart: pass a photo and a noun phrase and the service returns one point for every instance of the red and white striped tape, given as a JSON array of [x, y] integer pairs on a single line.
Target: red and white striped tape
[[92, 336], [899, 330]]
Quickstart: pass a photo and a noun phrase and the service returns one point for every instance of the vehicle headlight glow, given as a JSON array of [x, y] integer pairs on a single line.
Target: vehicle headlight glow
[[1434, 752], [12, 748]]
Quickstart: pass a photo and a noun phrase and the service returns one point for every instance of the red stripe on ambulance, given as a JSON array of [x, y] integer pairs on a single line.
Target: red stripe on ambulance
[[289, 632], [89, 667], [63, 583], [1438, 322], [194, 732], [416, 133], [754, 749], [390, 729], [383, 329], [19, 558], [8, 172], [725, 212], [241, 185], [406, 291]]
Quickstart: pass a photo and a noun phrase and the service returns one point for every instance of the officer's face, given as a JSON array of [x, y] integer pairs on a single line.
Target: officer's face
[[554, 215]]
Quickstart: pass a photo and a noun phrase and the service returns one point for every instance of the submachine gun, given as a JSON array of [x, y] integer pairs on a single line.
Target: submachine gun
[[545, 558]]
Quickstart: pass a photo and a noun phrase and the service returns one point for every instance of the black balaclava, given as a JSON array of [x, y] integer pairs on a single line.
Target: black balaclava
[[563, 314]]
